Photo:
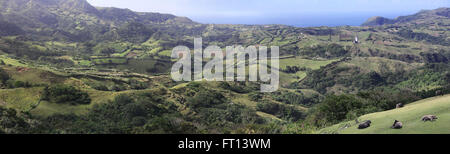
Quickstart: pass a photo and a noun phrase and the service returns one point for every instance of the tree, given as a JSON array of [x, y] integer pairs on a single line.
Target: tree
[[3, 76], [19, 84], [336, 108]]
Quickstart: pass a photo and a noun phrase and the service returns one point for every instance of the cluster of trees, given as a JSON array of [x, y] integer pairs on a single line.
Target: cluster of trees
[[434, 92], [409, 34], [23, 50], [322, 79], [126, 114], [117, 85], [287, 109], [336, 108], [216, 113], [150, 112], [283, 111], [65, 94], [410, 58], [363, 81], [215, 110], [295, 69], [7, 28], [18, 84], [4, 76], [134, 32], [59, 62], [209, 112], [12, 122], [206, 99], [239, 87], [295, 98], [434, 57]]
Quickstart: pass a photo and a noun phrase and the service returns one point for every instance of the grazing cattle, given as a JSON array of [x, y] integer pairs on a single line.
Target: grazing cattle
[[439, 92], [399, 105], [429, 118], [397, 125], [365, 124]]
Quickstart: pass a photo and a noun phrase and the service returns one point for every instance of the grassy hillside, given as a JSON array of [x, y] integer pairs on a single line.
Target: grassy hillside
[[410, 116]]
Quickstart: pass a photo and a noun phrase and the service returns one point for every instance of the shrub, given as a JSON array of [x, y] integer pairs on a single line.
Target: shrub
[[206, 99], [283, 111], [335, 108], [294, 98], [238, 87], [255, 96], [100, 87], [19, 84]]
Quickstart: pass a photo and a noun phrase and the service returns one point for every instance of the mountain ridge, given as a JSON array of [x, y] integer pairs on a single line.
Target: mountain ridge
[[76, 19], [426, 15]]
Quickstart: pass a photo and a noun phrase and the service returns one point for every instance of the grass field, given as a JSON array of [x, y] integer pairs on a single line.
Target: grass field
[[286, 78], [24, 99], [410, 116], [312, 64], [98, 97], [379, 65], [109, 61], [33, 75], [11, 61], [20, 98]]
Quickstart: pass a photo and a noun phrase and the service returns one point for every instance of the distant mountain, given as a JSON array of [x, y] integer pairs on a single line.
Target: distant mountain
[[377, 20], [73, 19], [422, 17]]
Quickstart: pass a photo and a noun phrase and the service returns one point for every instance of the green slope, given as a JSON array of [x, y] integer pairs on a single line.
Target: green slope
[[410, 116]]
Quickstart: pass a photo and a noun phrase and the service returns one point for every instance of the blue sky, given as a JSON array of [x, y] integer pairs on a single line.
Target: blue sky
[[289, 12]]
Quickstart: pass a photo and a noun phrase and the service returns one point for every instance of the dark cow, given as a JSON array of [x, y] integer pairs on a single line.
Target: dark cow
[[365, 124], [439, 93], [397, 125], [429, 118], [399, 105]]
